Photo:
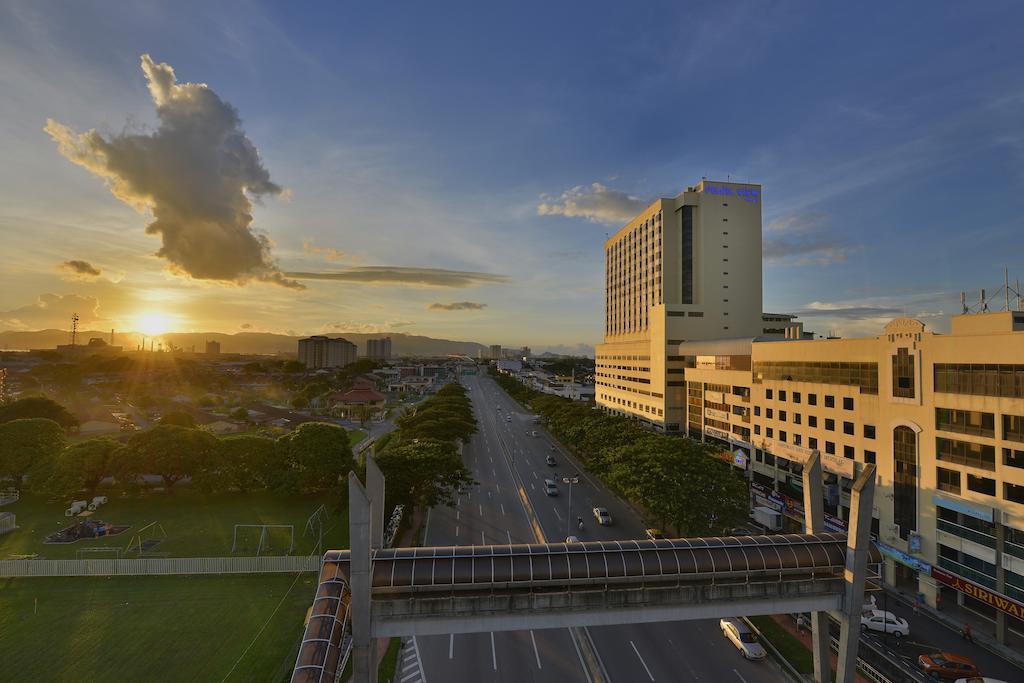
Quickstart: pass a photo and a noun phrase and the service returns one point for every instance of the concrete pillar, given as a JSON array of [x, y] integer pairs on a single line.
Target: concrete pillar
[[858, 544], [375, 491], [364, 647], [814, 520]]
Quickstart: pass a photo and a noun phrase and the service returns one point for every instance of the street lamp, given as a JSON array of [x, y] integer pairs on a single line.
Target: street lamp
[[574, 479]]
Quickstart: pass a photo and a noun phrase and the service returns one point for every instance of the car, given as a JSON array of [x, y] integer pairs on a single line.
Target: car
[[572, 539], [654, 534], [508, 418], [884, 622], [550, 487], [740, 635], [603, 517], [978, 679], [533, 433], [947, 665], [550, 460]]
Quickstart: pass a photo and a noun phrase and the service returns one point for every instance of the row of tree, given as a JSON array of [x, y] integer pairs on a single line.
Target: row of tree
[[680, 482], [35, 454], [422, 460]]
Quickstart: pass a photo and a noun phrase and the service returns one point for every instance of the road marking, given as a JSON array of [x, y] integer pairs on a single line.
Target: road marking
[[535, 652], [426, 526], [502, 507], [498, 487], [456, 529], [451, 646], [458, 513], [532, 486], [556, 512], [534, 474], [494, 653], [483, 541], [740, 675], [494, 472], [481, 508], [509, 534], [641, 660]]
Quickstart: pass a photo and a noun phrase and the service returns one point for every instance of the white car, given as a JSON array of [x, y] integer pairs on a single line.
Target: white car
[[550, 487], [603, 517], [884, 622], [978, 679], [740, 635], [572, 539]]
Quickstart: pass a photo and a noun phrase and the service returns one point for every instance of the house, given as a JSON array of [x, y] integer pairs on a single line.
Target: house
[[352, 403]]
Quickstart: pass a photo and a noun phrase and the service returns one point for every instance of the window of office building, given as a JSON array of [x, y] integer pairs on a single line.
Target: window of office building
[[847, 403], [982, 456], [848, 452], [947, 480], [796, 397], [830, 448], [769, 413], [1013, 457], [812, 443], [1013, 493], [782, 394], [782, 415], [982, 485], [869, 431], [796, 418], [1013, 428], [767, 393], [870, 457], [848, 428], [903, 374], [966, 421], [830, 401], [812, 399], [904, 449], [769, 432], [979, 379], [862, 375], [812, 421], [830, 424]]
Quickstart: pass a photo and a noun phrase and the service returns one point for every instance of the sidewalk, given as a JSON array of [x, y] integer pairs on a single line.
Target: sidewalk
[[953, 617], [789, 624]]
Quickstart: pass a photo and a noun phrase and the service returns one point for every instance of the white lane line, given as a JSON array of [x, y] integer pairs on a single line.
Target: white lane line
[[456, 529], [534, 474], [451, 646], [502, 507], [532, 486], [536, 653], [509, 534], [483, 541], [641, 660], [494, 472], [583, 664], [458, 513], [556, 513], [740, 675], [426, 527], [458, 501], [498, 486], [494, 653], [481, 508]]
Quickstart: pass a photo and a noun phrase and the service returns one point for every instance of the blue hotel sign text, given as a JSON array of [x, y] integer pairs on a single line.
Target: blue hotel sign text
[[748, 194]]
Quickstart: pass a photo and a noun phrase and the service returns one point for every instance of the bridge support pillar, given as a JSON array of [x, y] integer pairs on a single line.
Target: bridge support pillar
[[814, 520], [364, 646], [858, 545], [375, 492]]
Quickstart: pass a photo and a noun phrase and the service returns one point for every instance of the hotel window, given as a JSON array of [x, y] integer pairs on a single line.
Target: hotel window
[[812, 443], [769, 413], [796, 397], [869, 431], [972, 422], [903, 374], [797, 439], [848, 428], [1013, 458], [782, 436], [812, 421], [848, 452], [796, 418], [1013, 428], [769, 432], [812, 399], [982, 485], [870, 457], [767, 393], [782, 394], [830, 424], [830, 401], [847, 403], [782, 415], [948, 480], [830, 448], [1013, 493]]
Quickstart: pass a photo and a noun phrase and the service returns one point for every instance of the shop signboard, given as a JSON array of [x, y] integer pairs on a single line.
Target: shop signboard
[[792, 508], [915, 563], [984, 514], [985, 595], [717, 414], [717, 433]]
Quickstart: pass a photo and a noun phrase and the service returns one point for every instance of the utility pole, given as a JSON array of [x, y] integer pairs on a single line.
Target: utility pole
[[574, 479]]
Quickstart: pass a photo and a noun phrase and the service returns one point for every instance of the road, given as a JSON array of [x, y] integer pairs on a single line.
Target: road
[[493, 513]]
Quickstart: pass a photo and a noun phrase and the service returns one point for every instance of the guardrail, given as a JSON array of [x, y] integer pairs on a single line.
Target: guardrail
[[787, 666], [164, 566]]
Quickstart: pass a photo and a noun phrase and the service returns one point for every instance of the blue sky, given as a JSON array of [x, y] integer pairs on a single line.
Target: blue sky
[[890, 143]]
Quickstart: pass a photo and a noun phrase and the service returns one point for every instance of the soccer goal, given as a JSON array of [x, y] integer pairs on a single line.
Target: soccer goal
[[263, 538]]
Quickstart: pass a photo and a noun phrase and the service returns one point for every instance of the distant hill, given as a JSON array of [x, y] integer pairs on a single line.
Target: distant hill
[[241, 342]]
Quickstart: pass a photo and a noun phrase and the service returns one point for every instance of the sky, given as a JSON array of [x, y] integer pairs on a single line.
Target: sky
[[452, 169]]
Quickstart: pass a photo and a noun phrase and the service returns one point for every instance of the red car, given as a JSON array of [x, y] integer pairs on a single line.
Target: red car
[[947, 665]]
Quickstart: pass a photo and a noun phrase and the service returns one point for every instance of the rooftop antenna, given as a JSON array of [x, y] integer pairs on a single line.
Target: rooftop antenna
[[963, 303], [1017, 292], [74, 328], [1006, 287], [984, 304]]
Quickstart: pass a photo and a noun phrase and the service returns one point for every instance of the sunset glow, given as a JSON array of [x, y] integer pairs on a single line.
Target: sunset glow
[[153, 324]]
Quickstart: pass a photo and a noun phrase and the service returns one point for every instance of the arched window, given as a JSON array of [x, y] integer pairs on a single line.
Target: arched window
[[904, 451]]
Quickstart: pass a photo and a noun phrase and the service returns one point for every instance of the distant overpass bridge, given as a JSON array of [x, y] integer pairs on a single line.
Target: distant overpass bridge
[[468, 589]]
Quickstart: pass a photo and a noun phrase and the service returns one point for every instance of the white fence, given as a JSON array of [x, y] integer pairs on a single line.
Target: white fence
[[163, 566]]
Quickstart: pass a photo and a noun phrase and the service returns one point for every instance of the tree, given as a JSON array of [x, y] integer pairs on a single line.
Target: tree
[[82, 466], [40, 407], [245, 462], [29, 446], [426, 472], [170, 451], [178, 417], [292, 367], [240, 414], [300, 402], [364, 413], [318, 455]]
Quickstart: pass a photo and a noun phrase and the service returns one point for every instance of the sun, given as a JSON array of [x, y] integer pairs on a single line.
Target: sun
[[153, 324]]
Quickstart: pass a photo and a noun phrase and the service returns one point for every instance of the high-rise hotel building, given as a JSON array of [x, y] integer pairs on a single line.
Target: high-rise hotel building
[[686, 268]]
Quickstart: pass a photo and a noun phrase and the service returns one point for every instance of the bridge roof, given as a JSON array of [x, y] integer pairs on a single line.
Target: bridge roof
[[537, 565]]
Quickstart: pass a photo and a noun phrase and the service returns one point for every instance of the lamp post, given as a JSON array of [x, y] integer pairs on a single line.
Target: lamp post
[[574, 479]]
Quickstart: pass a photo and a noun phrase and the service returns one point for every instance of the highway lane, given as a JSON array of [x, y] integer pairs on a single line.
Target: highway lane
[[493, 513], [673, 651]]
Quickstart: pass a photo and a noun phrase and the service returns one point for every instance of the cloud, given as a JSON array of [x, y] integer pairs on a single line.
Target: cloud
[[51, 311], [595, 202], [398, 275], [329, 253], [246, 326], [366, 327], [817, 309], [80, 269], [196, 173], [457, 306], [803, 238]]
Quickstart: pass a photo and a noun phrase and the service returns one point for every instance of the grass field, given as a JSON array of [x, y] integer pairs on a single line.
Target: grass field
[[152, 628], [795, 652], [197, 525]]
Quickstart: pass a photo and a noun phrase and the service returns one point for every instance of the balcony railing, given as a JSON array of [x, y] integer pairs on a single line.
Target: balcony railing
[[968, 573], [969, 534]]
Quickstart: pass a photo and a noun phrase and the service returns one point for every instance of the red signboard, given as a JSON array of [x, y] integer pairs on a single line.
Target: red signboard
[[989, 597]]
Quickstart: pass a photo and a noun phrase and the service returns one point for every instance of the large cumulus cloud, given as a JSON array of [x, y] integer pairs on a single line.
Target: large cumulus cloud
[[196, 173], [595, 202]]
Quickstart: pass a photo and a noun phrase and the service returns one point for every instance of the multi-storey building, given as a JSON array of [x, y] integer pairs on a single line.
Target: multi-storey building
[[323, 352], [212, 348], [940, 416], [378, 349], [686, 268], [495, 351]]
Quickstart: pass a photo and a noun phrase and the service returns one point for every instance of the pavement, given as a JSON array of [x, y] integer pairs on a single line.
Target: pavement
[[492, 513]]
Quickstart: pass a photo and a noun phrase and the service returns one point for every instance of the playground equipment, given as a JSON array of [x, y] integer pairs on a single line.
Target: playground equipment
[[76, 507], [264, 537], [9, 495], [96, 502], [146, 538], [315, 528]]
